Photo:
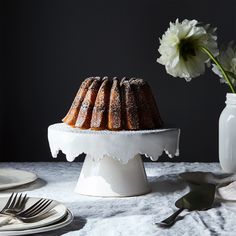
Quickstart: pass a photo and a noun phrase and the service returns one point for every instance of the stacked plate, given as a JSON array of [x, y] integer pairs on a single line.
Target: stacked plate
[[59, 216], [10, 178]]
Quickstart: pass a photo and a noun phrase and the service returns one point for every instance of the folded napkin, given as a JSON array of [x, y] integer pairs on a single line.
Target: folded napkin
[[225, 183], [6, 220], [228, 192]]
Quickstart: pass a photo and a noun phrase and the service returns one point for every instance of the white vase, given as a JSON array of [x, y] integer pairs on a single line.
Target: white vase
[[227, 135]]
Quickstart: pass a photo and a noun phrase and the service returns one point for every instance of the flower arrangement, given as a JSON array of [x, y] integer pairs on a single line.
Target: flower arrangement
[[187, 47]]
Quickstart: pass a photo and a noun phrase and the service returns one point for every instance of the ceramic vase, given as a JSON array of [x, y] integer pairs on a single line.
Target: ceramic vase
[[227, 135]]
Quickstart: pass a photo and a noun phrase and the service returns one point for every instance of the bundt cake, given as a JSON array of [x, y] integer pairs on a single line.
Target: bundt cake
[[126, 104]]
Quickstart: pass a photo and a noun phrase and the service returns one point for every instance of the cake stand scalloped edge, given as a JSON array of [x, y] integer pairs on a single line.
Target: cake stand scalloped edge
[[106, 172]]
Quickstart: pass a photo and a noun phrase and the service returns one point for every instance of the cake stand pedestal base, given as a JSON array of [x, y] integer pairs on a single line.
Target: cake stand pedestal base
[[108, 177]]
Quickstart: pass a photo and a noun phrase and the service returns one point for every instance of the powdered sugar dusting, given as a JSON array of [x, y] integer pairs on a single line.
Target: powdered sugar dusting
[[98, 106], [66, 128], [114, 114], [131, 109]]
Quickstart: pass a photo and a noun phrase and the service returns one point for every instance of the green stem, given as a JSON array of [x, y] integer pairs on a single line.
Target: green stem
[[220, 67]]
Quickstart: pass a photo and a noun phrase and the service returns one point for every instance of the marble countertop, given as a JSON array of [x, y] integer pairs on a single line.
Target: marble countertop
[[96, 216]]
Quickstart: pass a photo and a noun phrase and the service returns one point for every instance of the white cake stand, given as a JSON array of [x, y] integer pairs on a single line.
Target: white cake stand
[[113, 166]]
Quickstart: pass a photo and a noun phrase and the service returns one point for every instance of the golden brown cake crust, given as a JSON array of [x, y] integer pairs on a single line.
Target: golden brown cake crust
[[141, 90], [126, 104], [100, 109], [114, 112], [72, 115], [85, 113], [131, 118]]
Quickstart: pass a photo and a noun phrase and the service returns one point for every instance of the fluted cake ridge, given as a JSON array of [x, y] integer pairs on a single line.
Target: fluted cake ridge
[[114, 104]]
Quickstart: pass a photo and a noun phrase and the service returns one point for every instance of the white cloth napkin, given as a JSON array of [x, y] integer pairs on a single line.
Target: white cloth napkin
[[5, 220], [228, 192]]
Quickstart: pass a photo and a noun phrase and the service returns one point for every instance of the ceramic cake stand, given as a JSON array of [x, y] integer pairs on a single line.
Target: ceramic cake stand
[[113, 166]]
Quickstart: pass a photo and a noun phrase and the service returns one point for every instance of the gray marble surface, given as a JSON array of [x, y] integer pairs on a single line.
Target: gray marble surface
[[128, 216]]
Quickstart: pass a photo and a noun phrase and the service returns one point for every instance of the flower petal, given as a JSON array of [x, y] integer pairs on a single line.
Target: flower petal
[[186, 60]]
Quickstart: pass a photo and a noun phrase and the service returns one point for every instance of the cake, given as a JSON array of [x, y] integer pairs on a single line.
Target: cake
[[113, 104]]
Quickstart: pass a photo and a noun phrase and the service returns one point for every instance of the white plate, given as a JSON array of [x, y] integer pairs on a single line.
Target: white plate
[[62, 223], [10, 178], [54, 215]]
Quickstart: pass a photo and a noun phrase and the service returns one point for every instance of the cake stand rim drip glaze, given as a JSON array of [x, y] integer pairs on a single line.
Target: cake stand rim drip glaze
[[151, 143], [112, 153]]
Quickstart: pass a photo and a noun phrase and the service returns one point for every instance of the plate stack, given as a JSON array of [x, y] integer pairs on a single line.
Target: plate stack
[[58, 217]]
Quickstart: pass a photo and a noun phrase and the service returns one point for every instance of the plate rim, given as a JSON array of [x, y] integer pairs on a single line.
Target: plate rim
[[44, 224], [57, 225], [33, 177]]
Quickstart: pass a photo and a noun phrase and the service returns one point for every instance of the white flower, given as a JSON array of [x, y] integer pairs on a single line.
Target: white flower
[[227, 59], [179, 48]]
